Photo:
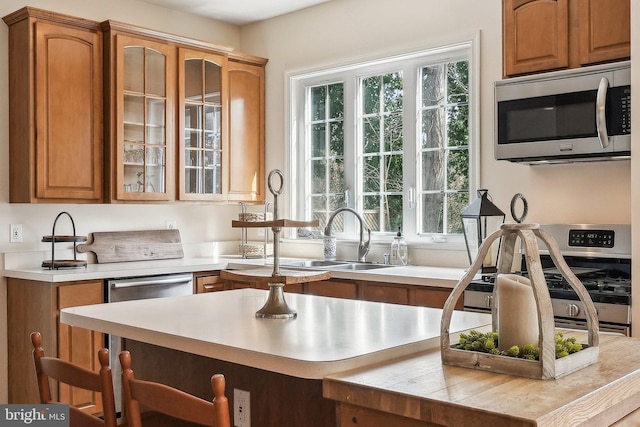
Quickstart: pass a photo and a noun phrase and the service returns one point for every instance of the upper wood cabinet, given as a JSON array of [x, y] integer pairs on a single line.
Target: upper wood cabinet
[[140, 137], [246, 129], [55, 108], [544, 35], [203, 111], [183, 119], [605, 30]]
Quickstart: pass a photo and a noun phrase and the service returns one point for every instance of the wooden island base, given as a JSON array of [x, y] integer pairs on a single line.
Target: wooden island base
[[276, 400]]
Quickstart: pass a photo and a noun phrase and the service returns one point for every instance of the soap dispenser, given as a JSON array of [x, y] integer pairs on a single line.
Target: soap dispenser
[[399, 250]]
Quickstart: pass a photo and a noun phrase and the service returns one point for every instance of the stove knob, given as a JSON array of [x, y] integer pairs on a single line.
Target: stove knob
[[573, 310]]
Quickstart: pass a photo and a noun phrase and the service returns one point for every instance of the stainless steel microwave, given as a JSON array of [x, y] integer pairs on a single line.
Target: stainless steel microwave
[[564, 116]]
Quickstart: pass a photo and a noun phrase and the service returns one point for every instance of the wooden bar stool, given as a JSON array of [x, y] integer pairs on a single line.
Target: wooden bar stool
[[175, 403], [76, 376]]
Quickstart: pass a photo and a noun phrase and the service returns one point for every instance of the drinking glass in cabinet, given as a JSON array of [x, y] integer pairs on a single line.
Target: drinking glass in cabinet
[[212, 127], [154, 179], [133, 154], [155, 156]]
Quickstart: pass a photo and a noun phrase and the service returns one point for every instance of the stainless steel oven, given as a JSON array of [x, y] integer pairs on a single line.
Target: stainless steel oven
[[135, 288], [600, 256]]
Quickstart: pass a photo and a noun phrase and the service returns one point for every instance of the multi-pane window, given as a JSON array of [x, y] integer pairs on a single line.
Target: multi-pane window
[[444, 146], [325, 131], [389, 138], [381, 142]]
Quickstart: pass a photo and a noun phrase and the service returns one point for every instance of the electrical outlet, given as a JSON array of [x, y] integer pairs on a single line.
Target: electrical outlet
[[16, 233], [241, 408], [171, 225]]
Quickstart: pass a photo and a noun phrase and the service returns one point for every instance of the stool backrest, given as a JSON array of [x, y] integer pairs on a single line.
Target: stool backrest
[[171, 401], [76, 376]]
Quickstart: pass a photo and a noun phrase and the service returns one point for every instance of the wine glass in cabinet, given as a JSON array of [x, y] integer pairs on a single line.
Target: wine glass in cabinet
[[144, 141], [203, 152]]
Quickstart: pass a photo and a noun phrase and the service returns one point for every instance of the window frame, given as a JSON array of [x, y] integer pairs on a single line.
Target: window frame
[[296, 87]]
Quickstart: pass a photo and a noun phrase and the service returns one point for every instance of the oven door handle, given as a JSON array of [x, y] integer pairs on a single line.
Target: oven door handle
[[148, 282], [601, 112]]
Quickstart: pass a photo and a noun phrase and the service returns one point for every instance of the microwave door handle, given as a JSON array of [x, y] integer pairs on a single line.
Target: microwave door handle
[[601, 116]]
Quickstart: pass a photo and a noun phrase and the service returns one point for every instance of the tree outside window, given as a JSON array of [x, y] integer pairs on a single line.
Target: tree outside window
[[389, 138]]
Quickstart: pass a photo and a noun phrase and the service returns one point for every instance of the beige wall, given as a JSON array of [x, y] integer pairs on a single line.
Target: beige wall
[[340, 30], [197, 222], [334, 32], [337, 31], [635, 166]]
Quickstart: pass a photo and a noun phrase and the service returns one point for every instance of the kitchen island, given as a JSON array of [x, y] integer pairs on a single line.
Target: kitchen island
[[184, 340], [345, 362]]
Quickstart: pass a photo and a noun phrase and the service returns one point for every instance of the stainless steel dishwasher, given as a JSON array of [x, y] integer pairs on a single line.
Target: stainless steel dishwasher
[[135, 288]]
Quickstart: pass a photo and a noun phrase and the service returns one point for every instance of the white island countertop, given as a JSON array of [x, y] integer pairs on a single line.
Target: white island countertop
[[329, 335]]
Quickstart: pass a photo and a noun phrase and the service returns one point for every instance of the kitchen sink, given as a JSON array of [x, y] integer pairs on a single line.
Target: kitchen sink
[[313, 263], [362, 266], [332, 265]]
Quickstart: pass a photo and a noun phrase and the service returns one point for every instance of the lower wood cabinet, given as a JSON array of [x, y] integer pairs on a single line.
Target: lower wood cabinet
[[208, 282], [35, 306], [349, 415], [435, 297], [333, 288], [394, 293]]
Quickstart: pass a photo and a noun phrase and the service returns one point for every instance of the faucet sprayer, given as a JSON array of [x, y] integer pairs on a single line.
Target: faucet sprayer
[[363, 247]]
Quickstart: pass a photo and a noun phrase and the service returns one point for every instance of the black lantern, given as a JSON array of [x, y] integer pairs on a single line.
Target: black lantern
[[480, 219]]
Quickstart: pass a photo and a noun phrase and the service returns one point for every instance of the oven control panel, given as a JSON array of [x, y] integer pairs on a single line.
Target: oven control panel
[[592, 238]]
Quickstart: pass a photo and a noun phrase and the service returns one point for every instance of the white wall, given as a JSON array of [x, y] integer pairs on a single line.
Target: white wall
[[330, 33], [197, 222], [635, 165], [194, 220], [339, 30]]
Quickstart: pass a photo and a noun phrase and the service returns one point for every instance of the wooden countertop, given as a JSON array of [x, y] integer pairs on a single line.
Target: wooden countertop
[[421, 388], [329, 335]]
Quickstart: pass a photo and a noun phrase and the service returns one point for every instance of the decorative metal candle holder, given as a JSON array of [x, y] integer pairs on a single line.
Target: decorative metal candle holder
[[276, 306], [547, 367]]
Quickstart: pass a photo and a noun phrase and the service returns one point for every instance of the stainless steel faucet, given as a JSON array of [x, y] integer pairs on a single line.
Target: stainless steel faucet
[[363, 247]]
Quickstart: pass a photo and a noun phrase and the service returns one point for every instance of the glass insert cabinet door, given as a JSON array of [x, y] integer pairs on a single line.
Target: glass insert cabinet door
[[202, 94], [146, 141]]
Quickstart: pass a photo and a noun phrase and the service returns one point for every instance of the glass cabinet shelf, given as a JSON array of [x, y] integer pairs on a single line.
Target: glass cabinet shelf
[[145, 138], [202, 154]]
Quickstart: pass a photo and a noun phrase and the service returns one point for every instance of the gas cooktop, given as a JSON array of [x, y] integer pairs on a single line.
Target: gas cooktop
[[604, 286]]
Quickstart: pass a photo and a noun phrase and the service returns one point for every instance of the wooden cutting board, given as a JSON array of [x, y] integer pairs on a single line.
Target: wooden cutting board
[[122, 246]]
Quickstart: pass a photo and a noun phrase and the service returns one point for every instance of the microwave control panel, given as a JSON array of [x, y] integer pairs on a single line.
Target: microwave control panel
[[620, 107]]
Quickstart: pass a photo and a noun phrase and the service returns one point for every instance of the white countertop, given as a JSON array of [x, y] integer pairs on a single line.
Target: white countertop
[[329, 335], [415, 275]]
